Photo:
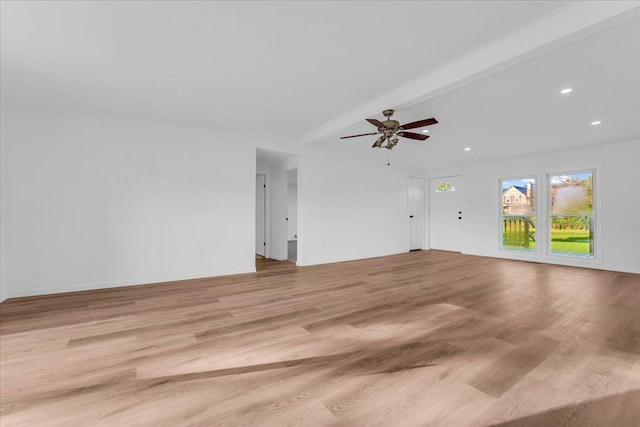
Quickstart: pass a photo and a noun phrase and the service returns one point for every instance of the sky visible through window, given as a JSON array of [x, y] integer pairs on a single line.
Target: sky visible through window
[[559, 179], [506, 184]]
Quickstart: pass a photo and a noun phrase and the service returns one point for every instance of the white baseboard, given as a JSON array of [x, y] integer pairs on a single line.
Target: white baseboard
[[18, 293]]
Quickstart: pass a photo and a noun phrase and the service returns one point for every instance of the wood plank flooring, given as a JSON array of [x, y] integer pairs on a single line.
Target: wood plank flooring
[[423, 338]]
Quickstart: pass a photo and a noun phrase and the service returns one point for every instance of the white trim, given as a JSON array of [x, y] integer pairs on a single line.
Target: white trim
[[597, 238], [285, 199], [267, 211], [117, 284], [537, 252], [422, 212]]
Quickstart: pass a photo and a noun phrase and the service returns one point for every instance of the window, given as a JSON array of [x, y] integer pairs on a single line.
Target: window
[[444, 187], [571, 214], [518, 214]]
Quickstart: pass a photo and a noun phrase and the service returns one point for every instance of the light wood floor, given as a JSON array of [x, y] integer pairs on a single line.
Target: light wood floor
[[423, 338]]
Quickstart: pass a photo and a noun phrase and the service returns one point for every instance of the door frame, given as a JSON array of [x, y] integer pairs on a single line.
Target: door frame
[[285, 207], [267, 216], [421, 217], [430, 201]]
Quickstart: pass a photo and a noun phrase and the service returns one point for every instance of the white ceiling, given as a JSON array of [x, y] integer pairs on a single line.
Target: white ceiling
[[271, 158], [520, 110], [276, 66], [291, 66]]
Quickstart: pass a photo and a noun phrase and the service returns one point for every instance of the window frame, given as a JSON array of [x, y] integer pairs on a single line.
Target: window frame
[[595, 210], [536, 214]]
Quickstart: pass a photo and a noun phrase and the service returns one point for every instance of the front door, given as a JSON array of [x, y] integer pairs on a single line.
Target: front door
[[445, 213]]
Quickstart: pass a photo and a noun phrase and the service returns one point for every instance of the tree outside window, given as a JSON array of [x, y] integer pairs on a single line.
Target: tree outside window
[[572, 215]]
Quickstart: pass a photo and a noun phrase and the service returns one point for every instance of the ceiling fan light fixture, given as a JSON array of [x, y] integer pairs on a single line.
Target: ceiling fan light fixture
[[425, 131], [596, 123], [566, 91]]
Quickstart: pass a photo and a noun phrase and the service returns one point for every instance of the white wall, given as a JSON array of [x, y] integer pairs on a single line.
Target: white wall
[[4, 291], [93, 201], [292, 210], [617, 183], [350, 206]]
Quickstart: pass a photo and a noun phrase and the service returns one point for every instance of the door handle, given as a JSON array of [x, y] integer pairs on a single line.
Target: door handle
[[410, 216]]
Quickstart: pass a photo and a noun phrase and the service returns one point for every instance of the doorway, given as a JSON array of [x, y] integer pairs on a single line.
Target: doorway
[[292, 215], [416, 213], [445, 213], [261, 208]]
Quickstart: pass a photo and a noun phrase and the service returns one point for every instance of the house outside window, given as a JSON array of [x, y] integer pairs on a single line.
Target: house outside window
[[518, 214]]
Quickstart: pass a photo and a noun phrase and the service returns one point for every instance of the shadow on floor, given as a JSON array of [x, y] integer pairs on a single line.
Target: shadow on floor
[[615, 410]]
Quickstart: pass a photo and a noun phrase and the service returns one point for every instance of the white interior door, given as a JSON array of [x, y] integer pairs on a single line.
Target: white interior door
[[260, 214], [292, 211], [416, 213], [445, 213]]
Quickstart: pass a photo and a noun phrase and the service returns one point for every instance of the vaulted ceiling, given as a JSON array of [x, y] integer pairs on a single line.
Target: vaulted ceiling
[[316, 69]]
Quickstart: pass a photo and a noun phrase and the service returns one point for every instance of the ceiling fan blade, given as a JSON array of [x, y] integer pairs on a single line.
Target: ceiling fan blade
[[412, 135], [376, 123], [418, 124], [355, 136], [379, 142]]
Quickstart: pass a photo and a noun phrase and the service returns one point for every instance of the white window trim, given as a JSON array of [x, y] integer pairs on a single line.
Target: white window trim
[[521, 254], [595, 214]]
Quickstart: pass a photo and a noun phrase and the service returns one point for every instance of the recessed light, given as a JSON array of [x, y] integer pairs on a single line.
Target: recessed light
[[425, 131], [467, 149], [597, 122], [566, 91]]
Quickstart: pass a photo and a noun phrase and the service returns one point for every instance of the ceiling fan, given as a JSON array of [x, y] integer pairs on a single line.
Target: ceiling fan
[[391, 130]]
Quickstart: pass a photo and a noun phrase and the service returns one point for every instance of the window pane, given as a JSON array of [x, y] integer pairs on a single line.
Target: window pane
[[518, 214], [445, 187], [571, 235], [518, 196], [572, 194], [571, 220], [519, 232]]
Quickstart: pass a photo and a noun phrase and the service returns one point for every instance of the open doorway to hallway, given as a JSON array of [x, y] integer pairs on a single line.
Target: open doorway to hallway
[[279, 170]]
